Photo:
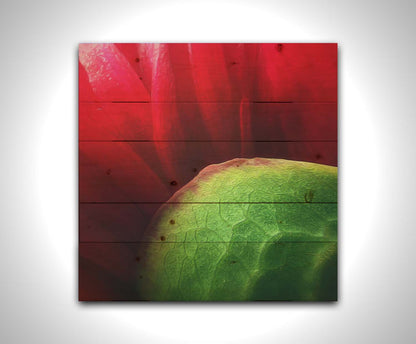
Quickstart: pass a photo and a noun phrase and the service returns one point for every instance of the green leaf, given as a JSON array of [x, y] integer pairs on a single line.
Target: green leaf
[[246, 229]]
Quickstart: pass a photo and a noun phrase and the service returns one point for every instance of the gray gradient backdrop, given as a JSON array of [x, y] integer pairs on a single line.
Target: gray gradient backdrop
[[38, 178]]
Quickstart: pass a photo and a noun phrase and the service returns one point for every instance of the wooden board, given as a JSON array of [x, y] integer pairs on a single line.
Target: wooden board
[[152, 172], [211, 121], [208, 72], [112, 222], [113, 271]]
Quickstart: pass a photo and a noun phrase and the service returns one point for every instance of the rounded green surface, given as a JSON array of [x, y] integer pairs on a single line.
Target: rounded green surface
[[246, 229]]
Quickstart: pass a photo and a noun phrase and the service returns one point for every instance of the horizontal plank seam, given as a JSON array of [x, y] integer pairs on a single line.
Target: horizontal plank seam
[[133, 202], [203, 141], [202, 102], [211, 242]]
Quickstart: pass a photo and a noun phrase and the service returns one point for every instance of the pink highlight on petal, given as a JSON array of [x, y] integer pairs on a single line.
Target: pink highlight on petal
[[110, 75]]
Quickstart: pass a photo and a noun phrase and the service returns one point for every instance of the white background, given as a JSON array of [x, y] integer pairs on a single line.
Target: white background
[[38, 171]]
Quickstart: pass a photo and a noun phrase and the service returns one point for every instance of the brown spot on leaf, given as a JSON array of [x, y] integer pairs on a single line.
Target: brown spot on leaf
[[162, 238], [172, 222], [233, 262]]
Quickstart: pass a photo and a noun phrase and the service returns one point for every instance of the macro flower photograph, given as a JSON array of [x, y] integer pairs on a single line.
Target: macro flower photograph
[[208, 172]]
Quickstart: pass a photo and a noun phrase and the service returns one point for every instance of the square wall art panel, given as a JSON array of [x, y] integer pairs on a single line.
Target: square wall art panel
[[208, 172]]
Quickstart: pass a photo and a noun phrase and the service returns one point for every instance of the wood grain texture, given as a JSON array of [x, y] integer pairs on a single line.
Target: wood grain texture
[[120, 223], [213, 121], [115, 271], [104, 74], [152, 172], [114, 222], [209, 72], [108, 271]]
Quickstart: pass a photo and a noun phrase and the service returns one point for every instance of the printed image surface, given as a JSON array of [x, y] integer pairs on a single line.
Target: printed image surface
[[208, 172]]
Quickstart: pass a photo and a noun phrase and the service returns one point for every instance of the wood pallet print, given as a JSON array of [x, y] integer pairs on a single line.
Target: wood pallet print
[[208, 172]]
